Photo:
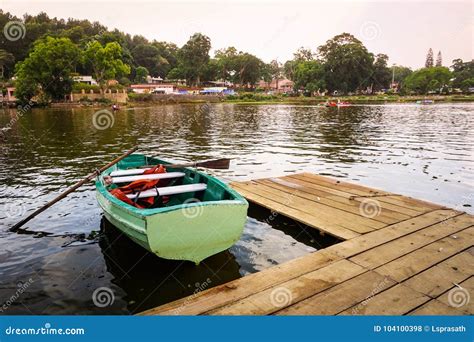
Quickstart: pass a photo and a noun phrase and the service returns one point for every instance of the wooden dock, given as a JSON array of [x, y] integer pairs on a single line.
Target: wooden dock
[[398, 256]]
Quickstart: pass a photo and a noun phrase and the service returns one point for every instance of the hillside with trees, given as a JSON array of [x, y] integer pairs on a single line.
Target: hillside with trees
[[54, 50]]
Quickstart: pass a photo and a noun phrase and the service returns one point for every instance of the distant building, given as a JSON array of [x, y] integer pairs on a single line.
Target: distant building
[[280, 86], [10, 97], [153, 88], [85, 79], [153, 80]]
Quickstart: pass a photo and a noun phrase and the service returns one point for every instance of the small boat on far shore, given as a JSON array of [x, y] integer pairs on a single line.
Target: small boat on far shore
[[335, 104], [425, 102]]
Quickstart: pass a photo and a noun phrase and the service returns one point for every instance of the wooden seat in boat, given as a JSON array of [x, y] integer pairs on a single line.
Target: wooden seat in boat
[[166, 175], [169, 190]]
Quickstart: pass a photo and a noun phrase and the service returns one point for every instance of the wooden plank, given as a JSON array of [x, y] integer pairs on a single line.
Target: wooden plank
[[385, 216], [342, 296], [367, 241], [319, 223], [460, 297], [243, 287], [397, 300], [295, 290], [394, 249], [427, 256], [440, 278], [336, 194], [359, 190], [435, 307], [347, 220]]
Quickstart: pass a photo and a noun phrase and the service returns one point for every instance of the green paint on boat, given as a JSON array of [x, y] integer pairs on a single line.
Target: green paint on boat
[[186, 228]]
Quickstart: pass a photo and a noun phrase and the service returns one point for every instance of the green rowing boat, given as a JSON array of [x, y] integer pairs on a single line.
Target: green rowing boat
[[193, 217]]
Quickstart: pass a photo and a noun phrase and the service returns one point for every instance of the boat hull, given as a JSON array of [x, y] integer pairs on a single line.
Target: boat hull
[[192, 231]]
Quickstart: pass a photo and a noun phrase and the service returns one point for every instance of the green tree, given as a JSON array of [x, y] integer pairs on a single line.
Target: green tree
[[429, 59], [463, 74], [347, 63], [303, 54], [309, 76], [226, 61], [105, 62], [193, 57], [439, 59], [6, 58], [400, 73], [48, 68], [382, 75], [249, 69], [425, 80], [141, 74]]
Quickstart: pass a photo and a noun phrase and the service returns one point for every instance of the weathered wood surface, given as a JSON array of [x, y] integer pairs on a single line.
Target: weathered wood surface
[[399, 256]]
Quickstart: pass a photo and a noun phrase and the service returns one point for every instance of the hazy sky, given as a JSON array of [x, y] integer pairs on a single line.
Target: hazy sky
[[404, 30]]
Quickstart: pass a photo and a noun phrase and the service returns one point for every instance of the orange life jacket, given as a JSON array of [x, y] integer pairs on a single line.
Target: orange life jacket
[[141, 185]]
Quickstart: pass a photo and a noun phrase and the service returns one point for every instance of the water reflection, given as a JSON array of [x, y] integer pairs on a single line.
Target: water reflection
[[420, 151]]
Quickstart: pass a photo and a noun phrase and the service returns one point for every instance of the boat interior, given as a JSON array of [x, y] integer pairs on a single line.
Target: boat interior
[[175, 186]]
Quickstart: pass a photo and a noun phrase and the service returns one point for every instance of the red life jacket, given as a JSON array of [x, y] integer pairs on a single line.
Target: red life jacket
[[141, 185]]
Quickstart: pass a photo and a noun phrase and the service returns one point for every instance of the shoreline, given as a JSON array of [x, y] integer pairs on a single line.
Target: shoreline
[[356, 100]]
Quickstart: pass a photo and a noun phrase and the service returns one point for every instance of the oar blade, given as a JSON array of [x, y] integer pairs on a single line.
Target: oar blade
[[221, 164]]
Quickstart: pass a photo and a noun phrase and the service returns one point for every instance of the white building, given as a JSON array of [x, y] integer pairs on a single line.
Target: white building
[[85, 79]]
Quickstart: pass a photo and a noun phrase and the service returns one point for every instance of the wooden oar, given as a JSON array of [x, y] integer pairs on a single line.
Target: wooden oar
[[71, 189], [222, 164]]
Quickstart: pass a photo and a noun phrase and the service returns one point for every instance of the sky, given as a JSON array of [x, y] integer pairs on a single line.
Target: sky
[[404, 30]]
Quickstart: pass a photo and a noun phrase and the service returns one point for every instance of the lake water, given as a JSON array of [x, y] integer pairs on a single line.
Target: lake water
[[69, 251]]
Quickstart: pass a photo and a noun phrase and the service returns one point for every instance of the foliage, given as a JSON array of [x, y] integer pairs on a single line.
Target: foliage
[[105, 62], [426, 80], [347, 63], [6, 58], [140, 97], [141, 74], [463, 74], [48, 67], [439, 60], [309, 75], [77, 87], [429, 59], [381, 75], [193, 58]]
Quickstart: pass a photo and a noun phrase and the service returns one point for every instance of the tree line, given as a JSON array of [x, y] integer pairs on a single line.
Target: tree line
[[53, 50]]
